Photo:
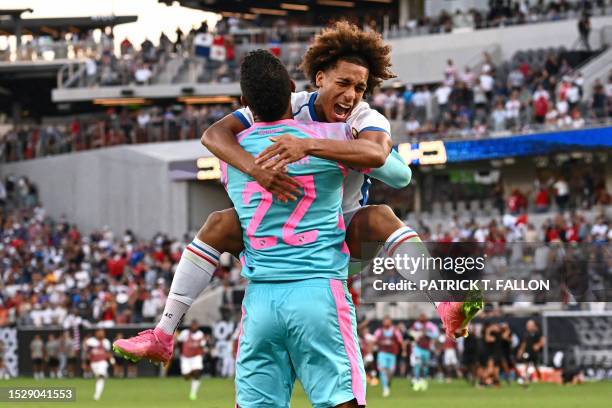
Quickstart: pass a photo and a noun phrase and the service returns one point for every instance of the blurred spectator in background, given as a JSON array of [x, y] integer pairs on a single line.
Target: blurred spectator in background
[[52, 353], [561, 193], [584, 30], [531, 347], [37, 354]]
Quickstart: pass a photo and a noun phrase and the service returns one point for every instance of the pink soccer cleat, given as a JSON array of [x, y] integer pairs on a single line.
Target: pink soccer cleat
[[457, 315], [156, 346]]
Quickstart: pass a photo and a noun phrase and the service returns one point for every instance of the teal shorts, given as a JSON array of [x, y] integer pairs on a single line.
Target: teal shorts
[[386, 361], [420, 356], [302, 329]]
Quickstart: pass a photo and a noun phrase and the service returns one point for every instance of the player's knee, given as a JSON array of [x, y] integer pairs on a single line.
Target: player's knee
[[219, 224]]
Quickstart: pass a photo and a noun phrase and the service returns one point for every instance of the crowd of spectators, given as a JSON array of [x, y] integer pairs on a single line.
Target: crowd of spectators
[[114, 127], [573, 185], [467, 104], [53, 274], [502, 13], [571, 227], [528, 97]]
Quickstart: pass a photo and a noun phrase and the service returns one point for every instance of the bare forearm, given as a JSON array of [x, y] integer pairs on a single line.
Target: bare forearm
[[221, 140], [356, 153]]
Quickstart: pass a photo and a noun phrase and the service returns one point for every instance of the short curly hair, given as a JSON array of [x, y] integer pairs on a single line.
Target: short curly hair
[[265, 84], [345, 41]]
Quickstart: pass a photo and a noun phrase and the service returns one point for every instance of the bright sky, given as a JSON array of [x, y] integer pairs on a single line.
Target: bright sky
[[153, 17]]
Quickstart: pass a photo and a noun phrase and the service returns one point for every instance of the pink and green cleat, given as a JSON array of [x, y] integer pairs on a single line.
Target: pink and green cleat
[[153, 345], [457, 315]]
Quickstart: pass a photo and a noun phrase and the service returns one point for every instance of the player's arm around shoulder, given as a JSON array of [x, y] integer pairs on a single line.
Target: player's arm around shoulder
[[220, 138], [288, 149]]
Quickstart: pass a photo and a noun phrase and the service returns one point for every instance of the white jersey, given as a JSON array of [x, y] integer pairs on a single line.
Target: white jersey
[[362, 118]]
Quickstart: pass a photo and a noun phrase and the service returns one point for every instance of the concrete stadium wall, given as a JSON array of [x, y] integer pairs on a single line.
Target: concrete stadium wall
[[204, 198], [117, 186], [422, 59]]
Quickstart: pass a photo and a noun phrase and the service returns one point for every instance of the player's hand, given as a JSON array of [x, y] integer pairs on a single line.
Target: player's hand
[[277, 182], [285, 150]]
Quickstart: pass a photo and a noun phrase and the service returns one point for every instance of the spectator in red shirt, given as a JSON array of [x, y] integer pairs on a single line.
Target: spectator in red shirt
[[540, 108], [116, 265], [517, 202], [542, 201]]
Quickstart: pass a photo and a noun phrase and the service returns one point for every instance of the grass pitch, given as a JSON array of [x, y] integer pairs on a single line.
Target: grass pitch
[[219, 393]]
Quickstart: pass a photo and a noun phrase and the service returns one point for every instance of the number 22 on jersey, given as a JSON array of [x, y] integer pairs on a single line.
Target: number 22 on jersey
[[288, 232]]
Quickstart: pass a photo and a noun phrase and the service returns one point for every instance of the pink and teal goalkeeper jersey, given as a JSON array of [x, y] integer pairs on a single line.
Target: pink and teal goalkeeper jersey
[[300, 239]]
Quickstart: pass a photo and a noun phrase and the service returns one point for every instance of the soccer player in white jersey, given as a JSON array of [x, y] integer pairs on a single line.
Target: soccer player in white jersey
[[192, 350], [98, 350], [344, 63]]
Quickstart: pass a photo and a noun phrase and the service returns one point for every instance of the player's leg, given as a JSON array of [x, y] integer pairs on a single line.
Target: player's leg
[[195, 384], [221, 233], [264, 373], [196, 367], [323, 343], [391, 369], [378, 223], [185, 368], [426, 357], [100, 372], [99, 388], [416, 361], [505, 368], [536, 367], [384, 374]]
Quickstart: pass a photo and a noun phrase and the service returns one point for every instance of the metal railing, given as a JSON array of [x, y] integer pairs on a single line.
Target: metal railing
[[71, 74]]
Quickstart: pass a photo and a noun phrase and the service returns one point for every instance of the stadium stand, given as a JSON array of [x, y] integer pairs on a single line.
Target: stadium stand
[[114, 127], [54, 274], [212, 55], [537, 90]]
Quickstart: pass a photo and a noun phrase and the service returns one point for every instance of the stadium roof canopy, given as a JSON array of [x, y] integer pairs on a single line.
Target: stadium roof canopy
[[283, 7], [10, 23]]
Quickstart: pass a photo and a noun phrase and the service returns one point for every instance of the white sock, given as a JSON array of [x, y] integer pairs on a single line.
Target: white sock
[[193, 274], [406, 243], [99, 388], [172, 315], [195, 384]]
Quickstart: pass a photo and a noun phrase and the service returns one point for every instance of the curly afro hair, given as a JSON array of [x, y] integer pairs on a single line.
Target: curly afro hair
[[345, 41]]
